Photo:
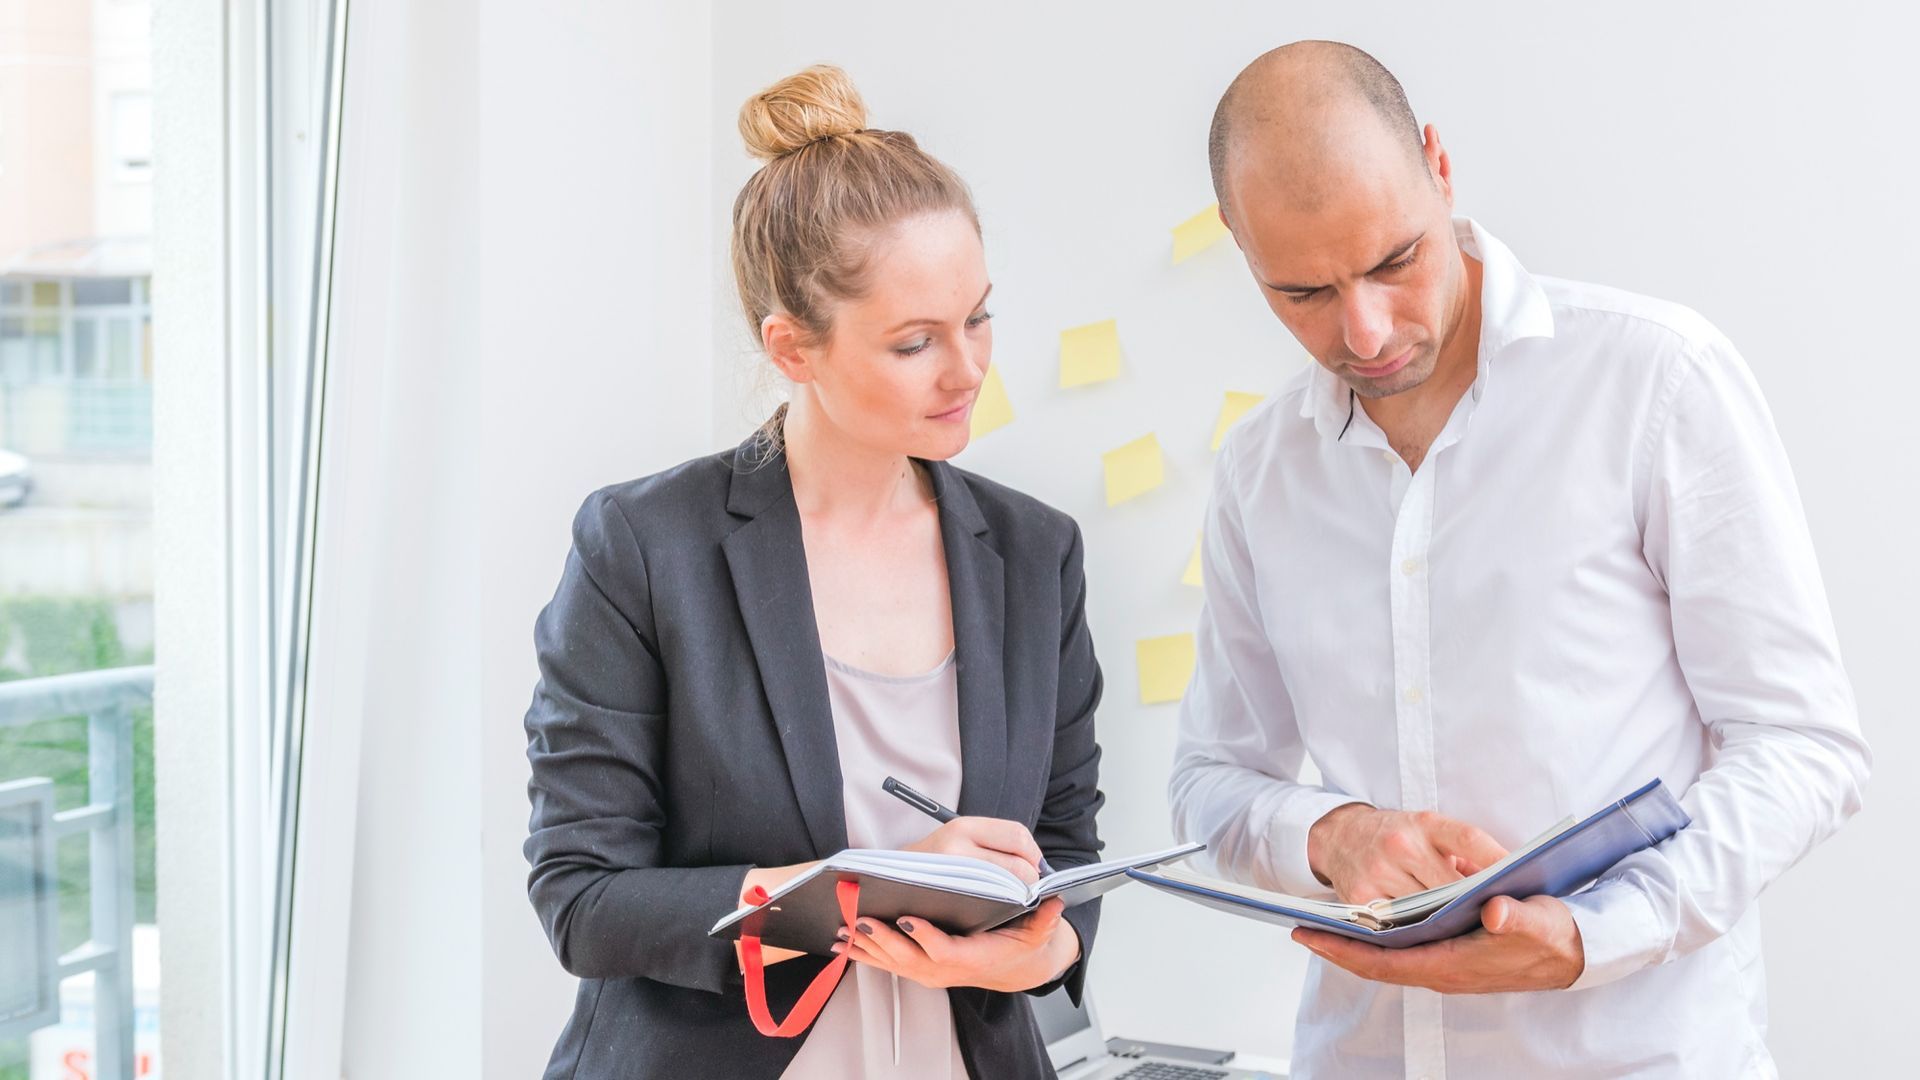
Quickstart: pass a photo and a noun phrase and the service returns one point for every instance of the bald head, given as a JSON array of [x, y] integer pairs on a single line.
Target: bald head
[[1309, 111]]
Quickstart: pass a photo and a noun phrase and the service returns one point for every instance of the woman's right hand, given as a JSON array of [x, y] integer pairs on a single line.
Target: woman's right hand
[[760, 881], [1004, 843]]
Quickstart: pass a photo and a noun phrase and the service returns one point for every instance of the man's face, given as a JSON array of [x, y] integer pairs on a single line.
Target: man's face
[[1364, 269]]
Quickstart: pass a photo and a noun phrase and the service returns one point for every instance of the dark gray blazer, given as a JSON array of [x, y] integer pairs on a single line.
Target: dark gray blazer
[[681, 734]]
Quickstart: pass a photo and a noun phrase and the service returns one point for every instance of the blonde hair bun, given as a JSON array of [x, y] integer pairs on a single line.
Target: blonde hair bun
[[802, 108]]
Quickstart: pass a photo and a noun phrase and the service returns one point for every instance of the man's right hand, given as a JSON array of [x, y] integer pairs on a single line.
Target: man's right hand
[[1369, 854]]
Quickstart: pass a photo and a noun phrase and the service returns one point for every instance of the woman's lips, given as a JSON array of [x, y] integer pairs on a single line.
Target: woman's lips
[[955, 414], [1382, 370]]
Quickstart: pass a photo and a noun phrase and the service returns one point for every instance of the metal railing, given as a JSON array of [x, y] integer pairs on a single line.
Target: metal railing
[[107, 699]]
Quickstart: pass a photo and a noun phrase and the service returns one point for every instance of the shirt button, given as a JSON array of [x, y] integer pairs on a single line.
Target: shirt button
[[1412, 695], [1389, 456], [1410, 567]]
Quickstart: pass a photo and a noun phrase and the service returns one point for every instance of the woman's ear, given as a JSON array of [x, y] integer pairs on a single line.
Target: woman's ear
[[785, 342]]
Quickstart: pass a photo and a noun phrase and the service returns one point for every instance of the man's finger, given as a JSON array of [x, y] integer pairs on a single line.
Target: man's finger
[[1433, 871], [1499, 916], [1421, 965], [1467, 841], [1507, 916], [1358, 958]]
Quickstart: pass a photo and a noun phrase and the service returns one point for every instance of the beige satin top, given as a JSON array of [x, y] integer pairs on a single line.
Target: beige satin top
[[876, 1025]]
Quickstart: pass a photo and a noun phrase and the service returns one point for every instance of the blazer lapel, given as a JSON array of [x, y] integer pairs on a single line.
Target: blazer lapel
[[976, 578], [768, 564]]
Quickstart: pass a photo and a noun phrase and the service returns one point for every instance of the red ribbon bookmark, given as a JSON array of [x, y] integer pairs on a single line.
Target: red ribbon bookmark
[[815, 998]]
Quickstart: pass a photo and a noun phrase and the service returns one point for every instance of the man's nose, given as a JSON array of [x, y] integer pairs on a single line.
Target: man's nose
[[1367, 322]]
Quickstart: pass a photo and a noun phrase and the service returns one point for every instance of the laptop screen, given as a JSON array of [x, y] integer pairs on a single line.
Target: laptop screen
[[1072, 1032], [1059, 1017]]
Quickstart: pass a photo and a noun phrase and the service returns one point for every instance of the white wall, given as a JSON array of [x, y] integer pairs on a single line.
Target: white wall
[[593, 363], [1738, 158], [412, 966]]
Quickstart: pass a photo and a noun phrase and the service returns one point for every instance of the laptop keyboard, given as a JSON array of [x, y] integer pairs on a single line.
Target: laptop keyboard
[[1160, 1070]]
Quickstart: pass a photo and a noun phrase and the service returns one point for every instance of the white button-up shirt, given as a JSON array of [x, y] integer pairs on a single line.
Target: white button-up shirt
[[1600, 574]]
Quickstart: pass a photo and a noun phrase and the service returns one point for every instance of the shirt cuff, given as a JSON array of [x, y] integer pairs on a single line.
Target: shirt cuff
[[1287, 838], [1618, 931]]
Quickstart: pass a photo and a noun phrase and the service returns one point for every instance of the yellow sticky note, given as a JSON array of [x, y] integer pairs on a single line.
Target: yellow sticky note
[[1134, 469], [1231, 411], [992, 409], [1197, 233], [1166, 665], [1192, 576], [1089, 354]]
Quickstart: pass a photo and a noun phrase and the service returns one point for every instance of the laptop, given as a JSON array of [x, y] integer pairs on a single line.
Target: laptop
[[1080, 1050]]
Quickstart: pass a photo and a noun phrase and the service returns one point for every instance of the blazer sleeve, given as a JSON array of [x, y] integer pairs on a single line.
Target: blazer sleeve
[[1066, 831], [596, 732]]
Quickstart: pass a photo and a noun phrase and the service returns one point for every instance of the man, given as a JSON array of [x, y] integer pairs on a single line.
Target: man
[[1510, 548]]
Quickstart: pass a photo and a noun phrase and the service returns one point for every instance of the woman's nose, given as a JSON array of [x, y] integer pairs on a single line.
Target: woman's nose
[[969, 368]]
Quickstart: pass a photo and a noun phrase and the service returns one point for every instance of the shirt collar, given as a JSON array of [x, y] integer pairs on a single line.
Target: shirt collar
[[1513, 306]]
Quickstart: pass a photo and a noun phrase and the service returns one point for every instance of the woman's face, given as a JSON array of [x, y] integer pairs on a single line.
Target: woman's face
[[903, 364]]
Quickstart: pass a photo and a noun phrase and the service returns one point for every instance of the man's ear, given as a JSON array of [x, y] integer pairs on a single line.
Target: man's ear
[[1439, 166], [1222, 211], [784, 340]]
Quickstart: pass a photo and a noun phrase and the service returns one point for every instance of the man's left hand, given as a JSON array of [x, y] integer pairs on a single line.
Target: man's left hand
[[1528, 944]]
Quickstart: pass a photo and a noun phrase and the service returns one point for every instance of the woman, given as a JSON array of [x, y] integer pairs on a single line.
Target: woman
[[742, 648]]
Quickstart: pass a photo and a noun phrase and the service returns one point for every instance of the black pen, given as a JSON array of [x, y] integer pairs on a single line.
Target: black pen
[[932, 809]]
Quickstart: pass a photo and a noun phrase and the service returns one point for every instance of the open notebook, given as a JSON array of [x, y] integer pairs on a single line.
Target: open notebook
[[956, 893], [1556, 863]]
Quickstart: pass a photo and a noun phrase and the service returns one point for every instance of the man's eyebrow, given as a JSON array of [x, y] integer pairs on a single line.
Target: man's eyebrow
[[936, 322], [1395, 256]]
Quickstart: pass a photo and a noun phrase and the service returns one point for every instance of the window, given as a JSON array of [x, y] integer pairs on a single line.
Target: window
[[132, 121], [77, 810], [247, 93]]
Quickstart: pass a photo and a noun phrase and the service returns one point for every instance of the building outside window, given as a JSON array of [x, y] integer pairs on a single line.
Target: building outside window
[[79, 945]]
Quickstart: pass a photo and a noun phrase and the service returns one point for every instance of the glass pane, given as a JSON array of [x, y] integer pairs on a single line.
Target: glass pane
[[90, 291], [13, 357], [86, 349], [132, 122], [76, 585], [43, 346], [119, 349]]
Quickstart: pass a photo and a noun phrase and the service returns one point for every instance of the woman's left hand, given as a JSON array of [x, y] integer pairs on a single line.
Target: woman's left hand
[[1025, 953]]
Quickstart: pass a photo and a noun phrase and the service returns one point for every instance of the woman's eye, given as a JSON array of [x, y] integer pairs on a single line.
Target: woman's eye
[[1301, 298], [915, 348], [979, 319]]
